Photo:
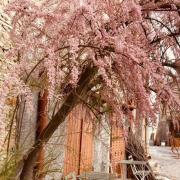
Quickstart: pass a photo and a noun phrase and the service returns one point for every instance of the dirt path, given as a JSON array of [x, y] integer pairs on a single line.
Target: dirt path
[[165, 162]]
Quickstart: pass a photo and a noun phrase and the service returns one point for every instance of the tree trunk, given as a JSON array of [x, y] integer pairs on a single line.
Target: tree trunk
[[42, 120], [58, 118]]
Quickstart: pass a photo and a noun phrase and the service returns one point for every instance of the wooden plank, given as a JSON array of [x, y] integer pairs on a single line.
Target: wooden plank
[[117, 146], [132, 162]]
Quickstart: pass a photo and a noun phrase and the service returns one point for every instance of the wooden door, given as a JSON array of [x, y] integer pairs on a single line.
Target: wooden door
[[79, 150]]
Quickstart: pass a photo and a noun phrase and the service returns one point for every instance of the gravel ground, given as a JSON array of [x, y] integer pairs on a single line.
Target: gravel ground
[[164, 162]]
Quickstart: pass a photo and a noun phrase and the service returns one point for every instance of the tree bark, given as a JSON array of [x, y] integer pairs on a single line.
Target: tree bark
[[42, 121], [58, 118]]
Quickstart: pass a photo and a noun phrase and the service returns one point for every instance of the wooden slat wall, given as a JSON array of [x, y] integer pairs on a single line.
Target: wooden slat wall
[[79, 151], [86, 163], [73, 137], [117, 145]]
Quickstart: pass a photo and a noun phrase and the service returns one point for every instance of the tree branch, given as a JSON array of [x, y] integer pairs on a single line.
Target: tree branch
[[70, 102]]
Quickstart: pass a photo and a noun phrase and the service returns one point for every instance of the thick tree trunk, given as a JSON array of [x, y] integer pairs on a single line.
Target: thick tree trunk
[[57, 119], [42, 121]]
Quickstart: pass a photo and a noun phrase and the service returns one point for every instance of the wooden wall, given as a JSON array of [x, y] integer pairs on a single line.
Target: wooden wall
[[117, 145], [79, 150]]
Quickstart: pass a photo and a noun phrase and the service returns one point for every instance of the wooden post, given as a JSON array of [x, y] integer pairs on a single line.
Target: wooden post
[[124, 171], [145, 126]]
